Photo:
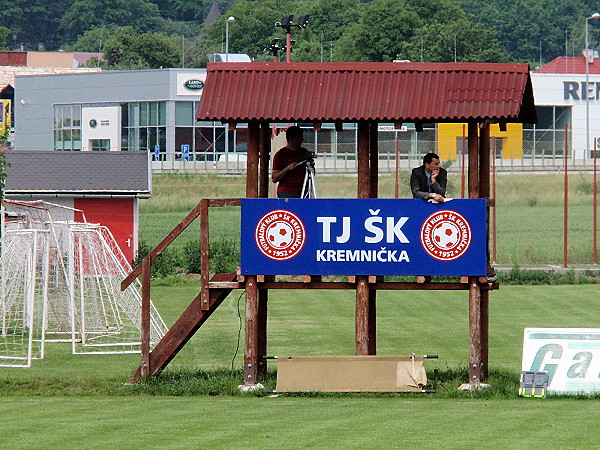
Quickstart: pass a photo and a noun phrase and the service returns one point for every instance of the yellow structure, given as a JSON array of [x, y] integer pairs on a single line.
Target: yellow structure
[[450, 135], [5, 115]]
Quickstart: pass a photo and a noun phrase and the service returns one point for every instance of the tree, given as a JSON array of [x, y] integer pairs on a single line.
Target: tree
[[34, 22], [534, 32], [4, 33], [127, 50], [141, 15], [92, 40], [254, 26], [460, 40]]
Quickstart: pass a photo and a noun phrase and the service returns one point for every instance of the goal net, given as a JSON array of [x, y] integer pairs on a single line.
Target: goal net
[[72, 292]]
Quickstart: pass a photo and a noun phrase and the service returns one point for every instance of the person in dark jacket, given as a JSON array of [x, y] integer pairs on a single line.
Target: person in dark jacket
[[428, 182]]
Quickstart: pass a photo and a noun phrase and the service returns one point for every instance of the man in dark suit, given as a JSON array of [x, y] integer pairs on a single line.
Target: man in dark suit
[[428, 181]]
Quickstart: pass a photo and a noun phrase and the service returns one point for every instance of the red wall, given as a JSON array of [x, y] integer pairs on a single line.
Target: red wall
[[13, 58], [116, 214]]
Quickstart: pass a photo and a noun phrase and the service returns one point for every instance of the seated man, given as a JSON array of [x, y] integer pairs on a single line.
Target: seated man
[[428, 181], [289, 165]]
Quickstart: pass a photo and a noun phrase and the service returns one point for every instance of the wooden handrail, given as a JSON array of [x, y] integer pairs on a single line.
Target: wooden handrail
[[179, 228]]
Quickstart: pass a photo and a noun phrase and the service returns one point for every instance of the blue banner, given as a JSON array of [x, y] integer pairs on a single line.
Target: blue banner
[[363, 237]]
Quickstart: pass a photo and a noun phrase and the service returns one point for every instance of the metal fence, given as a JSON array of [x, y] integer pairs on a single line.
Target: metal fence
[[336, 152]]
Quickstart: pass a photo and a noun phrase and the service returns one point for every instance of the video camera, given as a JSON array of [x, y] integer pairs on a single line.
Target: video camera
[[309, 158]]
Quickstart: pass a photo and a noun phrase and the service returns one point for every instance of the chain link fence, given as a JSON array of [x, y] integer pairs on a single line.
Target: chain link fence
[[336, 152]]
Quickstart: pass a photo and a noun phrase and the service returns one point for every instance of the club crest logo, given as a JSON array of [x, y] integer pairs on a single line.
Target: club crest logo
[[445, 235], [280, 235]]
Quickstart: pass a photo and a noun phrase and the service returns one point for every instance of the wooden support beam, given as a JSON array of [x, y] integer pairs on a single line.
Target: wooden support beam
[[364, 185], [251, 356], [475, 359], [362, 316], [373, 160], [145, 367], [252, 161], [472, 147], [380, 286], [367, 187], [183, 329], [264, 159], [204, 256], [484, 161]]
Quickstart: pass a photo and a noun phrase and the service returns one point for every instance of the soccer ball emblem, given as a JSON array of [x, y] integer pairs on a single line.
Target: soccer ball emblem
[[280, 234], [446, 235]]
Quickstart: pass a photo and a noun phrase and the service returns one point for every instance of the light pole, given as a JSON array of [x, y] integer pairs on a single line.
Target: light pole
[[229, 19], [287, 25], [587, 84]]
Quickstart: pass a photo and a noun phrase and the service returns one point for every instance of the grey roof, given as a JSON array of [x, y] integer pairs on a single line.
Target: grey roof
[[76, 173]]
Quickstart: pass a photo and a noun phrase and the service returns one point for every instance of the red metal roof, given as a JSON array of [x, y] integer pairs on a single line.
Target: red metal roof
[[570, 64], [383, 92]]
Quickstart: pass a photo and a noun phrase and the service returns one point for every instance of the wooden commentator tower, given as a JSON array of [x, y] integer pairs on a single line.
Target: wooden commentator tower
[[260, 94]]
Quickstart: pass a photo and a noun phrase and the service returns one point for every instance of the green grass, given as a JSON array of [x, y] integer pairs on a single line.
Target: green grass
[[296, 423], [529, 212], [77, 401], [322, 323]]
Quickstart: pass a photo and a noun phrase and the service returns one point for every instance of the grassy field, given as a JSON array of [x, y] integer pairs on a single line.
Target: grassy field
[[78, 401], [529, 212]]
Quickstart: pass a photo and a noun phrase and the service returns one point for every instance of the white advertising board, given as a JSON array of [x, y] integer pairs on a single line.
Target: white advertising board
[[191, 84], [571, 356]]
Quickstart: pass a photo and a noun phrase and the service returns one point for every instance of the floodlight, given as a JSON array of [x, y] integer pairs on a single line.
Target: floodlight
[[286, 21], [303, 20]]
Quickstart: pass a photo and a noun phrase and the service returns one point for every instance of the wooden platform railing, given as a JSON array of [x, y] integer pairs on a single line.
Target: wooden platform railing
[[193, 317]]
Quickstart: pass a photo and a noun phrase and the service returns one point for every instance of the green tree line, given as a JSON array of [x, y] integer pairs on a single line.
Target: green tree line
[[172, 33]]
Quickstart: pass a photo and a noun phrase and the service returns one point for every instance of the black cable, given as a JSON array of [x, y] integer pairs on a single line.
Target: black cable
[[239, 330]]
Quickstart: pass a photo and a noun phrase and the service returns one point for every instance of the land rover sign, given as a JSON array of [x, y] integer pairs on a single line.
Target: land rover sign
[[194, 84]]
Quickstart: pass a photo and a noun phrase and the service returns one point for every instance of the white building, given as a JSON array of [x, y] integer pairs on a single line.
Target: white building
[[564, 96]]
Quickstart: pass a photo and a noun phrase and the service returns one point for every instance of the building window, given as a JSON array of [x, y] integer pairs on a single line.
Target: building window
[[67, 127], [100, 145], [144, 126]]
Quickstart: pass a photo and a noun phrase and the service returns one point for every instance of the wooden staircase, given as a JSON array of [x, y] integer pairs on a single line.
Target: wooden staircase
[[186, 326]]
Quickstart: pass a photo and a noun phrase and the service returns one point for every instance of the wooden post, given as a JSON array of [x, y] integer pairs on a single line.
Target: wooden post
[[204, 256], [363, 138], [264, 159], [252, 356], [145, 326], [365, 300], [484, 192], [473, 178], [373, 160], [252, 161], [484, 162], [474, 331], [362, 316], [475, 299], [373, 193]]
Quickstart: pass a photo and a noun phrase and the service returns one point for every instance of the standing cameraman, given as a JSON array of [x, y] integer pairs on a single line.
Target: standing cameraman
[[289, 165]]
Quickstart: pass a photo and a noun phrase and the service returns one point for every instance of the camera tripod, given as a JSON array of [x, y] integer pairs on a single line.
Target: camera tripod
[[309, 188]]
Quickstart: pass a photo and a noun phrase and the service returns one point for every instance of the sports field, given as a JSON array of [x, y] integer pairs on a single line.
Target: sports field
[[78, 401]]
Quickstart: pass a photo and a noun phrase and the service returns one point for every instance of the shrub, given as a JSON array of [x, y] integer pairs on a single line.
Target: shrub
[[164, 265], [224, 255]]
